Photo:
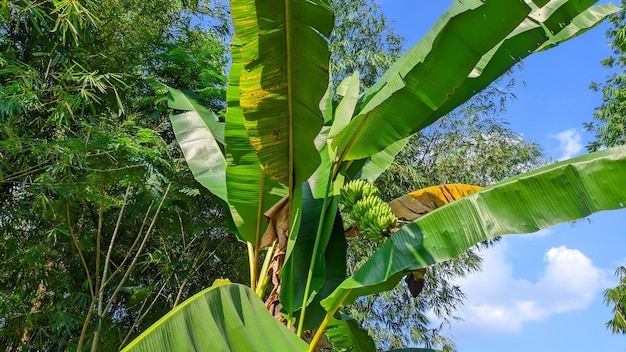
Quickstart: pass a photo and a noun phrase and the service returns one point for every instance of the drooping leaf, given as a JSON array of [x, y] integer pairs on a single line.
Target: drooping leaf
[[529, 37], [346, 334], [349, 89], [557, 193], [433, 77], [201, 138], [226, 317], [415, 204], [285, 58], [375, 165], [250, 191]]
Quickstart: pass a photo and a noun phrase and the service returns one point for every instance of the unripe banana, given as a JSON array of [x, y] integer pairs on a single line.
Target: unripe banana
[[374, 217], [354, 191]]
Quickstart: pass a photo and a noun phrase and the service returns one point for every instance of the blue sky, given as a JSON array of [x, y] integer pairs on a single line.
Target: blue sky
[[541, 292]]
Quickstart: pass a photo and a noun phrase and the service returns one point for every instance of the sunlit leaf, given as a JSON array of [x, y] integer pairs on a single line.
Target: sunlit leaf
[[469, 47], [557, 193], [250, 191], [285, 58], [226, 317], [201, 137]]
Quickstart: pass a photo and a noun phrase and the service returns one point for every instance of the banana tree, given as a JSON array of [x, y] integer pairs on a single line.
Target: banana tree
[[289, 144]]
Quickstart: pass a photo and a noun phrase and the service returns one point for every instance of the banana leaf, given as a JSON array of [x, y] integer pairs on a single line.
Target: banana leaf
[[346, 334], [557, 193], [201, 138], [334, 274], [285, 58], [224, 317], [299, 256], [250, 191], [469, 47], [337, 119]]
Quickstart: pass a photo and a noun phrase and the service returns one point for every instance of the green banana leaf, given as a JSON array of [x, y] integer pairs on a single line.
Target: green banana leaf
[[285, 55], [557, 193], [224, 317], [337, 119], [375, 165], [446, 67], [334, 274], [346, 334], [201, 138], [250, 191], [529, 37], [298, 259]]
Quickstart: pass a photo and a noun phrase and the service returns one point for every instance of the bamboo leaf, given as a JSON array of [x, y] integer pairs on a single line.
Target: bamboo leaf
[[285, 55], [200, 137], [226, 317], [557, 193]]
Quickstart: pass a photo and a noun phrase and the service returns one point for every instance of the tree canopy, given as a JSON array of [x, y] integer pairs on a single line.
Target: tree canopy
[[99, 237]]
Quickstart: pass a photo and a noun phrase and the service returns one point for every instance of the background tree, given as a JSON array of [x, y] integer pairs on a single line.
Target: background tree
[[609, 120], [616, 297], [98, 236], [362, 40], [609, 129]]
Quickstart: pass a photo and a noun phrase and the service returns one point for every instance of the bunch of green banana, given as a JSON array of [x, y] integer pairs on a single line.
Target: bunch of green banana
[[368, 211], [374, 217], [354, 191]]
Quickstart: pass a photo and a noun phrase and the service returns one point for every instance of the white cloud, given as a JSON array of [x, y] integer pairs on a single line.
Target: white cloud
[[499, 303], [569, 143]]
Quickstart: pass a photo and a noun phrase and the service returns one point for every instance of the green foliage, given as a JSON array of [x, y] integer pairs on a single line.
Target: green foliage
[[362, 41], [86, 156], [609, 120], [616, 297], [95, 182], [266, 95]]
